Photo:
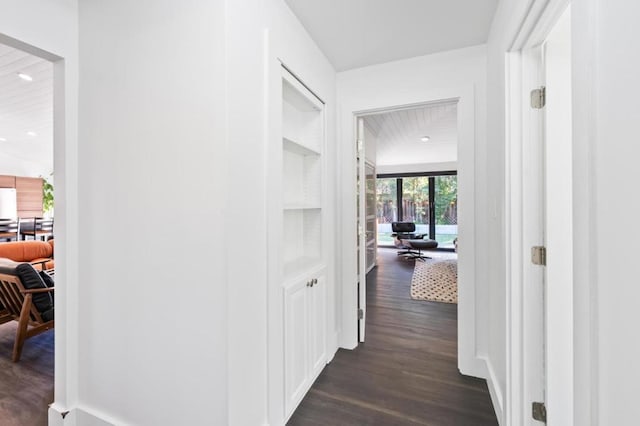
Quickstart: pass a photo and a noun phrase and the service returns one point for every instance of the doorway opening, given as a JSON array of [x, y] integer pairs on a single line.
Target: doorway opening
[[407, 174], [31, 141], [353, 300]]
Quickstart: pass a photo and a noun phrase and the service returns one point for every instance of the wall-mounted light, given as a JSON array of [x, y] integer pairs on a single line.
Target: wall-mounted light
[[425, 139], [31, 133], [25, 77]]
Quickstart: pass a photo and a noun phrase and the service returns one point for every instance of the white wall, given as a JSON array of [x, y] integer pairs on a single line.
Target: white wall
[[174, 126], [153, 324], [615, 65], [49, 29], [448, 75]]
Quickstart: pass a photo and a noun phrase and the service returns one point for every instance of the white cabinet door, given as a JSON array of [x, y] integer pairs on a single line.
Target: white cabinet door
[[317, 318], [296, 357]]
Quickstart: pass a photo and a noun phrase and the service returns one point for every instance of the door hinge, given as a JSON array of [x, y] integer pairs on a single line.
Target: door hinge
[[360, 314], [539, 255], [539, 411], [539, 97]]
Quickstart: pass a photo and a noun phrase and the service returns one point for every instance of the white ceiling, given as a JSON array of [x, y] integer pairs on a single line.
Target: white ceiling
[[358, 33], [26, 107], [398, 135]]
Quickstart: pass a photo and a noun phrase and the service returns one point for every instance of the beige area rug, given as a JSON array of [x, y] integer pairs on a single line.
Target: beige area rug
[[435, 280]]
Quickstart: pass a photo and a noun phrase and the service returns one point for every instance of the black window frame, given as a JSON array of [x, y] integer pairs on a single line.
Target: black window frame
[[432, 192]]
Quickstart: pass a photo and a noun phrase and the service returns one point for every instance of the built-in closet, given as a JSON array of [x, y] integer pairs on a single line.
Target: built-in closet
[[302, 262]]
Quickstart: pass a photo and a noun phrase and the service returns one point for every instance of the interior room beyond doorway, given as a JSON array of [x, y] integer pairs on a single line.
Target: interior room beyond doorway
[[430, 200]]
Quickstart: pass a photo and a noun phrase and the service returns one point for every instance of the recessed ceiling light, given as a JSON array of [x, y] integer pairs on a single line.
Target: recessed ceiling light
[[25, 77], [425, 139], [31, 133], [3, 139]]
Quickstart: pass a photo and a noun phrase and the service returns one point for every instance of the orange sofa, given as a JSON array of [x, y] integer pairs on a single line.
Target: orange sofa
[[38, 253]]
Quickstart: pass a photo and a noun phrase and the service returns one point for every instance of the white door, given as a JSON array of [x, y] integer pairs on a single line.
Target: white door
[[534, 234], [361, 234], [559, 224], [540, 191]]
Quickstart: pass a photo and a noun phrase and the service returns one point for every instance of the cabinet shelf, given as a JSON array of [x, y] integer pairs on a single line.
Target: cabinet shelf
[[297, 147]]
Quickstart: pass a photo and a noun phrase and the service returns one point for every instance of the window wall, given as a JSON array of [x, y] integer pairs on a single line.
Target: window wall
[[429, 200]]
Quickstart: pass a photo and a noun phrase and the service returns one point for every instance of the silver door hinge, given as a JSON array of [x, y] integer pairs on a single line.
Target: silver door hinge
[[539, 255], [539, 411], [360, 314], [539, 97]]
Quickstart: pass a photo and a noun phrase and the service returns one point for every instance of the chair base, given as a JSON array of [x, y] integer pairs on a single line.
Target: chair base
[[412, 249], [411, 254]]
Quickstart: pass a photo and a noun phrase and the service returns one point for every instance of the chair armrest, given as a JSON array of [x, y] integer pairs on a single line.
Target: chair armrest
[[41, 262], [37, 290], [419, 236]]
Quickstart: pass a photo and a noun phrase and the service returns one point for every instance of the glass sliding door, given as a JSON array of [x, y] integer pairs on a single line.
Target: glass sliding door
[[415, 202], [386, 208], [429, 200], [446, 209]]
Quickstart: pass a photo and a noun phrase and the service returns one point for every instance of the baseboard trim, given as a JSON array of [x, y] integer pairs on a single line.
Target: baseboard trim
[[494, 391], [60, 416], [474, 367], [333, 348]]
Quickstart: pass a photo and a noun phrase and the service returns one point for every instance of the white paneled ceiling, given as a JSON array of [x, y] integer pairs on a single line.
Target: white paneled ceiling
[[26, 107], [358, 33], [398, 135]]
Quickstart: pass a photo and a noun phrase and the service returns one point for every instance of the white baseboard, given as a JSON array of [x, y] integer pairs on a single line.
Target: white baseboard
[[474, 367], [60, 416], [494, 391], [333, 347]]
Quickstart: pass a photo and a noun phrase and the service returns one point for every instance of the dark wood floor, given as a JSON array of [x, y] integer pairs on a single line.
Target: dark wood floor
[[406, 372]]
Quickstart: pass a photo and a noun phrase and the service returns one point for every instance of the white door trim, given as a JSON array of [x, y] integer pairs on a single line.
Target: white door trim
[[470, 361], [362, 240], [541, 17], [65, 151]]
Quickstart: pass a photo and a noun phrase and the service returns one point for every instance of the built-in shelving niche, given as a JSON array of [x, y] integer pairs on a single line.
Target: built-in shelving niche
[[302, 125]]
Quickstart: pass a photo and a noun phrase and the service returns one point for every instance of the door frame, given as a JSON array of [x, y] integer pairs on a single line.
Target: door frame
[[66, 214], [520, 78], [471, 358], [361, 218]]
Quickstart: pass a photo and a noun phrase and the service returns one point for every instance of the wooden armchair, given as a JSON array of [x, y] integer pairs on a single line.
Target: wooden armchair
[[29, 302]]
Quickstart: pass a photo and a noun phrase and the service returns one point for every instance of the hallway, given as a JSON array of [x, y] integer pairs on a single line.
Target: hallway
[[405, 373]]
